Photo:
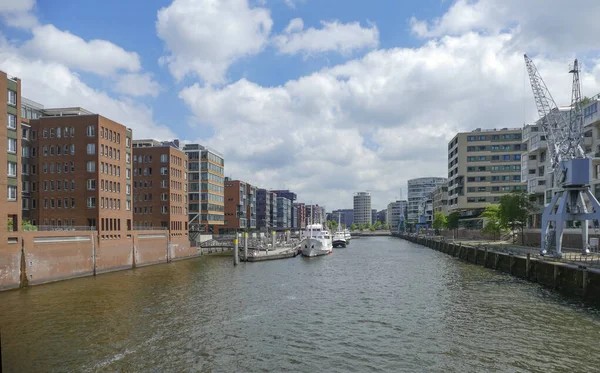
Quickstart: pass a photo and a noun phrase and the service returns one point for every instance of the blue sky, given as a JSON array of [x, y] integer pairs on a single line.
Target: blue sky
[[324, 97]]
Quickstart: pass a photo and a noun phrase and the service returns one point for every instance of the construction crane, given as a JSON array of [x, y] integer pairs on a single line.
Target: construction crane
[[573, 200]]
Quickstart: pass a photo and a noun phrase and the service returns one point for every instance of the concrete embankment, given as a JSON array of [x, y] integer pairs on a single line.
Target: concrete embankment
[[575, 280], [33, 258]]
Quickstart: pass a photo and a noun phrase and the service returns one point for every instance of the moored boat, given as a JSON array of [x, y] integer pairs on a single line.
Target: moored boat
[[339, 239], [317, 241]]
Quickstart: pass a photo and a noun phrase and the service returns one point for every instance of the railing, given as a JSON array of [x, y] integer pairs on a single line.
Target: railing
[[142, 228]]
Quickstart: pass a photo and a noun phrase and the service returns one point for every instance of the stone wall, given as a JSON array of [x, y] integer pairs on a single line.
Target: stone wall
[[150, 247], [10, 264]]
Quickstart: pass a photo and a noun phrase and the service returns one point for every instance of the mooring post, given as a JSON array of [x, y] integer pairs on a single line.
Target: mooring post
[[584, 281], [511, 263], [236, 251], [485, 257], [245, 246], [496, 261], [527, 264], [288, 235], [555, 276], [273, 240]]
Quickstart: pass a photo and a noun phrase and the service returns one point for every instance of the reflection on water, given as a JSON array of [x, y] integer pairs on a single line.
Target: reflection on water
[[381, 304]]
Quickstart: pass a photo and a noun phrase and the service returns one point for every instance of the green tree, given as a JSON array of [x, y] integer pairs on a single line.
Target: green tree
[[386, 226], [332, 225], [353, 227], [376, 225], [361, 227], [439, 220], [372, 228], [493, 223], [514, 209], [452, 221]]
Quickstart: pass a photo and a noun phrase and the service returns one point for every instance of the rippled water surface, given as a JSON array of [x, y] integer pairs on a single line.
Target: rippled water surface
[[380, 305]]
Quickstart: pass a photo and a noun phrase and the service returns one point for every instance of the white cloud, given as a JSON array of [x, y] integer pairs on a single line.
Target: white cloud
[[333, 36], [137, 85], [551, 26], [17, 13], [204, 37], [374, 122], [290, 3], [53, 84], [97, 56]]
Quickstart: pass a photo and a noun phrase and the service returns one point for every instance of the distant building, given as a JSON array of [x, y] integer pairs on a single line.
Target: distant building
[[382, 216], [284, 212], [346, 216], [418, 191], [373, 216], [362, 208], [160, 186], [394, 211], [266, 209], [440, 199], [300, 215], [240, 205], [206, 189]]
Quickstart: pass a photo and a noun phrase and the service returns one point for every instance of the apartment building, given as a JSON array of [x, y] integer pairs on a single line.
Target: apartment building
[[205, 188], [160, 186], [418, 192], [345, 216], [266, 209], [483, 165], [252, 191], [10, 164], [82, 171], [439, 199], [394, 211], [300, 219], [362, 208], [284, 212], [29, 110]]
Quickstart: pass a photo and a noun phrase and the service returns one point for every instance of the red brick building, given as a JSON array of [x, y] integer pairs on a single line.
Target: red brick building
[[160, 186], [81, 171]]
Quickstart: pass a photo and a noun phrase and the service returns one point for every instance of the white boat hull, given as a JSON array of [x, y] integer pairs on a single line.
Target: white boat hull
[[316, 247]]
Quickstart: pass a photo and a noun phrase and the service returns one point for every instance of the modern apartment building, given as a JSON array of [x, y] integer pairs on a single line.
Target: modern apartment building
[[82, 171], [205, 188], [284, 212], [236, 205], [346, 216], [251, 206], [160, 186], [394, 211], [362, 208], [10, 164], [300, 219], [591, 126], [265, 209], [439, 199], [418, 192], [482, 166]]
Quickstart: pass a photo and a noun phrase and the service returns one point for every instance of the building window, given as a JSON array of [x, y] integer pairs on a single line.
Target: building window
[[12, 97], [128, 205], [91, 149], [164, 158], [163, 171], [128, 189], [12, 193], [11, 121], [163, 209], [90, 131], [12, 145], [128, 158], [91, 202], [91, 184], [12, 169]]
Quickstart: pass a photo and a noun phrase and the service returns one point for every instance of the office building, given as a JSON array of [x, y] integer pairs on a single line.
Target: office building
[[266, 209], [236, 206], [394, 211], [11, 164], [373, 216], [300, 215], [482, 166], [284, 212], [418, 190], [251, 191], [440, 199], [362, 208], [81, 172], [159, 186], [346, 216], [206, 201], [29, 110], [382, 216]]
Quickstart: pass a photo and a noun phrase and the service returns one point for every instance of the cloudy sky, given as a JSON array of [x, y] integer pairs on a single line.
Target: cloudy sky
[[325, 97]]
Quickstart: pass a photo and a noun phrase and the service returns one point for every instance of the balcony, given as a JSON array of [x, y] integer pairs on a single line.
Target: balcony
[[536, 185]]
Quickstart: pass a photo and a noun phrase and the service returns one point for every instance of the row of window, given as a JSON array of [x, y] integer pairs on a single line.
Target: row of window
[[505, 157], [56, 203], [494, 168], [482, 148], [147, 171], [49, 185], [514, 136], [50, 167], [505, 188], [60, 150], [515, 178], [64, 133], [176, 185], [106, 151]]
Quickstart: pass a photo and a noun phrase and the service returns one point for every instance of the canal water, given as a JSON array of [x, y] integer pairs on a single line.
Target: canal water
[[380, 305]]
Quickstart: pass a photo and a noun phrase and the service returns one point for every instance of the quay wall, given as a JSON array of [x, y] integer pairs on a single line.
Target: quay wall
[[32, 258], [570, 279]]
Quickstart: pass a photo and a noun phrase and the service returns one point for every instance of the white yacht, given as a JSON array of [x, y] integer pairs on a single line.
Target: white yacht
[[347, 235], [339, 239], [317, 241]]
